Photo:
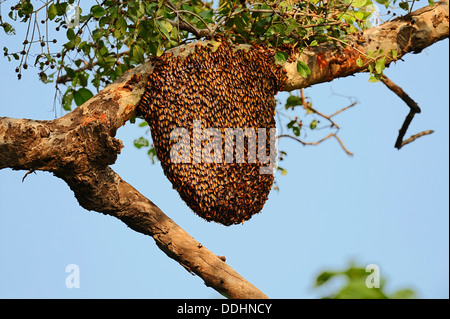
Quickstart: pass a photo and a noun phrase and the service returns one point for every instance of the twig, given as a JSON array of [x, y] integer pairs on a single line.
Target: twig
[[197, 16], [319, 141], [416, 136], [401, 94], [302, 96], [309, 107], [414, 109], [183, 24], [27, 173], [343, 109]]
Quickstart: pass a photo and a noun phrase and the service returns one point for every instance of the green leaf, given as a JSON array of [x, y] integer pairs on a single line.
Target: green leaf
[[431, 3], [380, 65], [43, 77], [9, 29], [160, 50], [296, 130], [52, 11], [207, 15], [291, 123], [404, 5], [324, 277], [121, 27], [152, 154], [292, 101], [81, 96], [98, 11], [303, 69], [70, 34], [358, 3], [163, 29], [67, 99], [138, 54], [374, 78], [167, 25], [359, 62], [360, 15], [313, 124], [394, 54], [291, 25], [281, 57], [141, 142]]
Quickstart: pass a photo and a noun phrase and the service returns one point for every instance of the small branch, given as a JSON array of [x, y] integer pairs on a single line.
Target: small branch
[[319, 141], [184, 25], [343, 109], [416, 136], [414, 109], [309, 107], [403, 129], [197, 16], [27, 173], [401, 94]]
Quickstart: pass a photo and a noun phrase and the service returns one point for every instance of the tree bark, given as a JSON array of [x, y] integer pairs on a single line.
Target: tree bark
[[80, 146]]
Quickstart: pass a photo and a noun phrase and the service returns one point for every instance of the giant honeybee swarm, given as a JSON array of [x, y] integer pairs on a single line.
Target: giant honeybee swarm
[[216, 86]]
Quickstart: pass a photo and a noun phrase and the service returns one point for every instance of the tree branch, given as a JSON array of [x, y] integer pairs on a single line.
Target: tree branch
[[400, 93], [80, 146], [410, 34], [414, 109]]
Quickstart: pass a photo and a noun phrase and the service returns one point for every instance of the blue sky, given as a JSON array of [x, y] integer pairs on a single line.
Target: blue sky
[[381, 206]]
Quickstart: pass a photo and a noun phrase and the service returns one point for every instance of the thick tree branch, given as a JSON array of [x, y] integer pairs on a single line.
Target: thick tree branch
[[80, 146], [409, 34]]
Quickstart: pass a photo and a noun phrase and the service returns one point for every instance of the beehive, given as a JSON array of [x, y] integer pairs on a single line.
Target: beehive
[[219, 86]]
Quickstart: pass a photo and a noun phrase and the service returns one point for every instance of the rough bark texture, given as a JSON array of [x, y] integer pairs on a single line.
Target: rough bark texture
[[80, 146]]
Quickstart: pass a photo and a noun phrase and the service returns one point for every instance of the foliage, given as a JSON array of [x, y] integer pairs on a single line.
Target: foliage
[[355, 285], [81, 46], [113, 36]]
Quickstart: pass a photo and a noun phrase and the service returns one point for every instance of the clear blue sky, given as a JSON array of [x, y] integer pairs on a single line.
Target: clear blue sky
[[380, 206]]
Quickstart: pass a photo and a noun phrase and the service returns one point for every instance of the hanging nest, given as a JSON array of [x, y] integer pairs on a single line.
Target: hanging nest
[[219, 86]]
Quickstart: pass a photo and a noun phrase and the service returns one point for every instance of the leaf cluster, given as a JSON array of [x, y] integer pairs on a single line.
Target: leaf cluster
[[354, 286], [81, 47], [105, 39]]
